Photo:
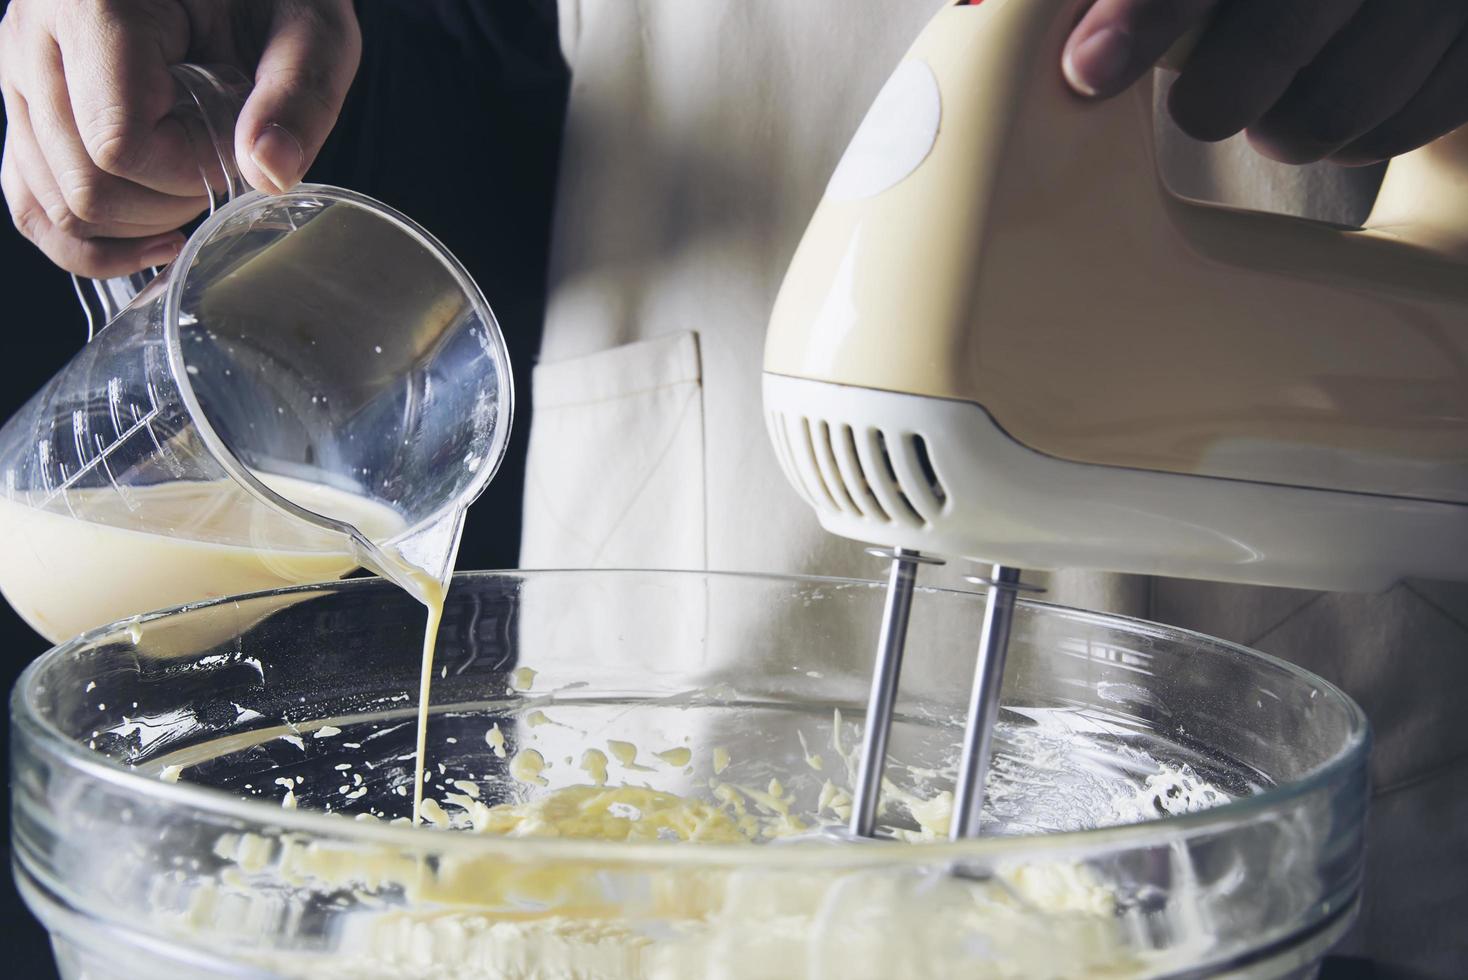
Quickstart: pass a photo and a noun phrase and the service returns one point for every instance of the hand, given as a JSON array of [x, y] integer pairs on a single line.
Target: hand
[[96, 172], [1354, 81]]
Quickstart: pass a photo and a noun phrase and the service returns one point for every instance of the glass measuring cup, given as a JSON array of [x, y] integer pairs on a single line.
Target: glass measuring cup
[[314, 384]]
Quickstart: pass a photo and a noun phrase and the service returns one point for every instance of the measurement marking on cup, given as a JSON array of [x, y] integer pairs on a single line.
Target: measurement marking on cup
[[78, 436], [122, 491], [147, 419], [43, 449], [43, 453], [114, 405]]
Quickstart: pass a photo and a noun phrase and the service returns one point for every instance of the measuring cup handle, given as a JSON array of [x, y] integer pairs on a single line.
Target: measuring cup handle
[[209, 101]]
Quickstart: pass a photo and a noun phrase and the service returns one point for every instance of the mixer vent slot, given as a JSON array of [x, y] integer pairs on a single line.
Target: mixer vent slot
[[906, 512], [813, 438], [859, 471], [930, 475], [863, 486]]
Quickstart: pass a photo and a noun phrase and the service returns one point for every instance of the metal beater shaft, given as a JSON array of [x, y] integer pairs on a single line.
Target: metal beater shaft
[[968, 796], [883, 696]]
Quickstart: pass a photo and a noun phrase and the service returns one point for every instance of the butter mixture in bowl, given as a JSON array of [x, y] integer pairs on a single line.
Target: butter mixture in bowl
[[623, 774]]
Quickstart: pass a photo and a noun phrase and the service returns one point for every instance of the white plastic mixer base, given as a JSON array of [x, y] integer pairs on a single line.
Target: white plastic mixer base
[[940, 477]]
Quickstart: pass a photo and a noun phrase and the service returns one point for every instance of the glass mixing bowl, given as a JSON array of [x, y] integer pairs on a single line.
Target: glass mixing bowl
[[1162, 803]]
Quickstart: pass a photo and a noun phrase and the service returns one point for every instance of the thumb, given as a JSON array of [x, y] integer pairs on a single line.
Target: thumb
[[1118, 41], [307, 63]]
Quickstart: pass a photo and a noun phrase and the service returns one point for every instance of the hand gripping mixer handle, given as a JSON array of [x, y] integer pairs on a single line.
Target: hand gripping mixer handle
[[209, 101]]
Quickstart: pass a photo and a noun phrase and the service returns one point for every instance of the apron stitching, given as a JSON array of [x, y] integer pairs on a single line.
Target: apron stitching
[[651, 472], [1455, 620], [565, 528], [1288, 616], [541, 406]]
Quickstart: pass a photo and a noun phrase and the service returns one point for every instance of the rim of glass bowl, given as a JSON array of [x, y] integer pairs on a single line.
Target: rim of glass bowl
[[40, 735]]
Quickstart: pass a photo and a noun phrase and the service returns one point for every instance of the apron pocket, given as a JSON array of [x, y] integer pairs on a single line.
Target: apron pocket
[[615, 474]]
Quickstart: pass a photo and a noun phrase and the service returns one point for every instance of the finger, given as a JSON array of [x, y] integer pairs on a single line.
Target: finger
[[307, 65], [93, 204], [98, 258], [1117, 41], [1364, 75], [1437, 108], [1247, 60], [114, 91]]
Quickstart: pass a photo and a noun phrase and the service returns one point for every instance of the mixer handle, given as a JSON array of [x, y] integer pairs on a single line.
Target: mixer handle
[[209, 101], [1423, 198]]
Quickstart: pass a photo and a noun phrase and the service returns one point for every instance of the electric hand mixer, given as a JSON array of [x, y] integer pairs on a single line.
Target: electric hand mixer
[[1003, 340]]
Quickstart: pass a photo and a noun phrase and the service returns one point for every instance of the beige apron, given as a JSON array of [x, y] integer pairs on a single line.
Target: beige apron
[[699, 138]]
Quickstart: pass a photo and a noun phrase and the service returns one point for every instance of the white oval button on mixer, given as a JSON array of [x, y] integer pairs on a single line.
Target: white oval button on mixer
[[895, 137]]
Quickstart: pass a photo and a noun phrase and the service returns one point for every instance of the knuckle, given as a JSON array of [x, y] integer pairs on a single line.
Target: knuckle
[[308, 84], [83, 197], [27, 221], [331, 24], [56, 211], [104, 11], [17, 16], [116, 143], [317, 15], [330, 15], [10, 43], [69, 224]]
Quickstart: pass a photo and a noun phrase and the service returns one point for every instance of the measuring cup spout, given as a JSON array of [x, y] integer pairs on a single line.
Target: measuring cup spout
[[426, 553]]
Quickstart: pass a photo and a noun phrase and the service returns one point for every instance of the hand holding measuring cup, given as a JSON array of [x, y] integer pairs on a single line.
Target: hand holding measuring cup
[[314, 384], [97, 172]]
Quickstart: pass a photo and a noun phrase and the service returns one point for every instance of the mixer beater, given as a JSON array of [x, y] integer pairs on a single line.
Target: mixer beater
[[1004, 585]]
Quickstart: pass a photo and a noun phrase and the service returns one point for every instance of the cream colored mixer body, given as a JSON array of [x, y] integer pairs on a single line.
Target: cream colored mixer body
[[1003, 339]]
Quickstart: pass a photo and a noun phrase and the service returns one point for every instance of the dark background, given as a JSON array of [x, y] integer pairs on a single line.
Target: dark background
[[454, 119]]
